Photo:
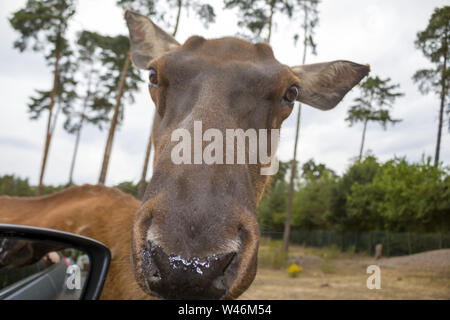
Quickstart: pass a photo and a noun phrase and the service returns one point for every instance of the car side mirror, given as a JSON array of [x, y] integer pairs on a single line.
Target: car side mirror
[[46, 264]]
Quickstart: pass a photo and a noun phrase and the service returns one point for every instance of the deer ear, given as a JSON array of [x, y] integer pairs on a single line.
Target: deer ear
[[147, 40], [323, 85]]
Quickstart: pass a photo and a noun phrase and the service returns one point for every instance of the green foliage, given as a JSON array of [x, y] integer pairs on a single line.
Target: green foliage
[[434, 44], [373, 104], [363, 206], [114, 52], [415, 197], [312, 171], [43, 25], [272, 209], [205, 13], [165, 12], [433, 41], [65, 89], [255, 15], [361, 173], [330, 243], [98, 100], [47, 189], [307, 12], [311, 202], [396, 196], [17, 187], [280, 177], [128, 187]]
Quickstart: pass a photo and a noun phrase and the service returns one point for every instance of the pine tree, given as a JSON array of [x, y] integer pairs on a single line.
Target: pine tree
[[434, 44], [44, 23], [257, 17], [377, 97], [97, 102], [120, 80]]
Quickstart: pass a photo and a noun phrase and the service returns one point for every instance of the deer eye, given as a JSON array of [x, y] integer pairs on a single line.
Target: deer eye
[[153, 78], [291, 95]]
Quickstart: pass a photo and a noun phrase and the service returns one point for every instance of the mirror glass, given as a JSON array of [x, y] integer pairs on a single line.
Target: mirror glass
[[41, 270]]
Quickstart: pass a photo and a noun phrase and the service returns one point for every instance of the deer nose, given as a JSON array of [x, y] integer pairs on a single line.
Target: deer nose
[[176, 277]]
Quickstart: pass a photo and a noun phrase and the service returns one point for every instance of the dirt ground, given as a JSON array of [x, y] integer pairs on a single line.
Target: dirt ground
[[343, 276]]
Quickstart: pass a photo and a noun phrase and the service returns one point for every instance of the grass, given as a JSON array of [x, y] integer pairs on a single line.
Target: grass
[[331, 252], [339, 275], [350, 252], [327, 266], [271, 255]]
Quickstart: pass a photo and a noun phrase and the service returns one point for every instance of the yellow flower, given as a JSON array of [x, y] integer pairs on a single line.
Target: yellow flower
[[294, 270]]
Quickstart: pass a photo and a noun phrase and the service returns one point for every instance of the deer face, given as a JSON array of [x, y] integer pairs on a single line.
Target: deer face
[[196, 233]]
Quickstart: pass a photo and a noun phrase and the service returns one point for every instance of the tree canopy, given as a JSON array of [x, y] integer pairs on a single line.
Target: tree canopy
[[434, 44], [374, 104], [256, 16]]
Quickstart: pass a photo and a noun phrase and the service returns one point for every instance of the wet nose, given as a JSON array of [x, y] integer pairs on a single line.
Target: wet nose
[[177, 277]]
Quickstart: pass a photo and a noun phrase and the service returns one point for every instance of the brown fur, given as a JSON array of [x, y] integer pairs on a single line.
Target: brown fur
[[98, 212]]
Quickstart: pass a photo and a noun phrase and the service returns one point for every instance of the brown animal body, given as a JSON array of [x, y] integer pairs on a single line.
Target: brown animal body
[[195, 235], [98, 212]]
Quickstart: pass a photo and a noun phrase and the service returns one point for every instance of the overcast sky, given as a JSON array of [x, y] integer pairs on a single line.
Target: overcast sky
[[380, 33]]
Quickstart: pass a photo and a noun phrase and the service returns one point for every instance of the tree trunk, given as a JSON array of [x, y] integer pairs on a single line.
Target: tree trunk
[[441, 113], [272, 9], [287, 225], [142, 183], [75, 151], [77, 142], [48, 136], [115, 116], [362, 140], [180, 3], [80, 126]]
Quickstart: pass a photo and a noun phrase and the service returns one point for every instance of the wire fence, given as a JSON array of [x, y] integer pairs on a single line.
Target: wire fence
[[394, 244]]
